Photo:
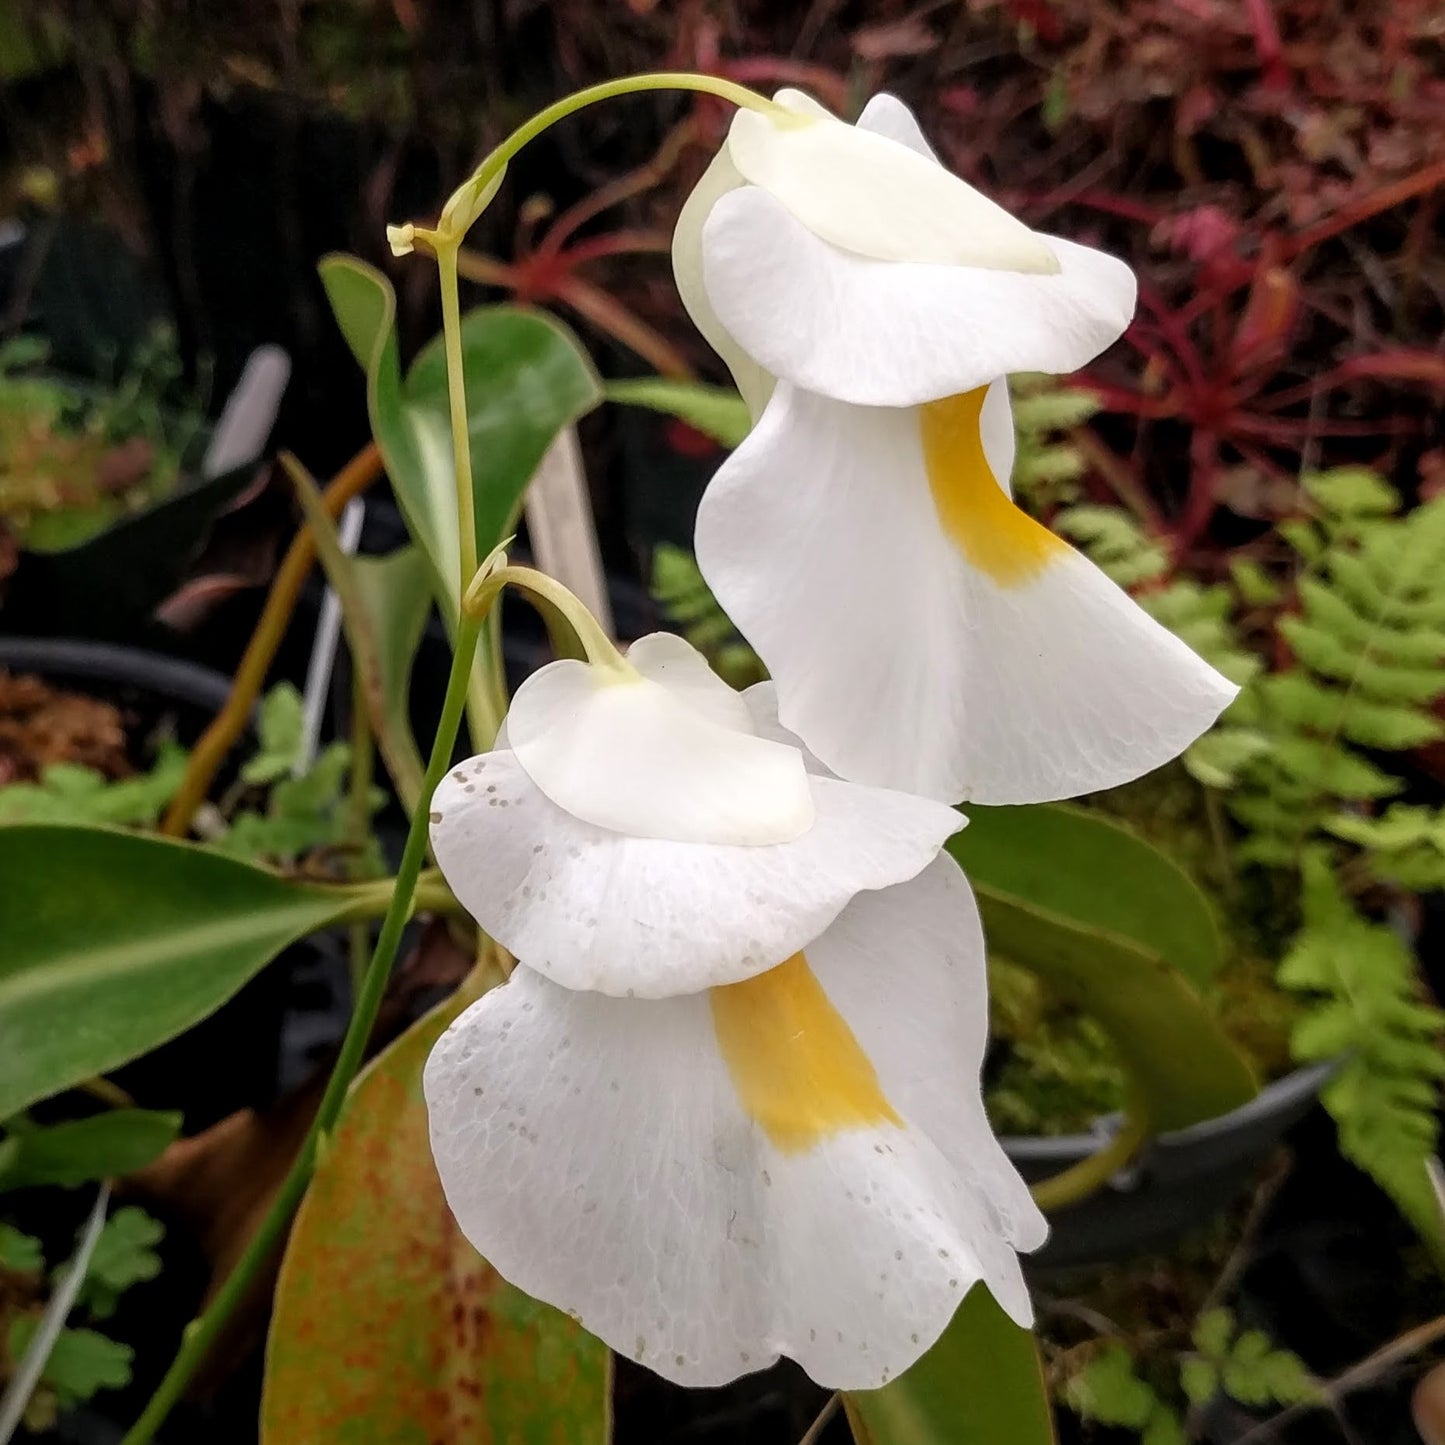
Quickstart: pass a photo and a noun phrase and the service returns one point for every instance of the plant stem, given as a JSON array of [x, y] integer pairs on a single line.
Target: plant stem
[[814, 1433], [228, 724], [363, 755], [446, 259], [492, 167], [1090, 1175], [202, 1332]]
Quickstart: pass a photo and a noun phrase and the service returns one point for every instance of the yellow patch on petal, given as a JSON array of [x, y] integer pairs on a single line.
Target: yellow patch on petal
[[993, 534], [798, 1070]]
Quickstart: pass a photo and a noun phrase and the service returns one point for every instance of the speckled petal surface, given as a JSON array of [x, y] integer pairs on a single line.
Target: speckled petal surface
[[596, 909], [595, 1151]]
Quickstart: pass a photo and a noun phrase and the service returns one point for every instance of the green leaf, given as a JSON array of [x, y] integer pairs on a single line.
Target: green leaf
[[1257, 1374], [526, 379], [1108, 1390], [1182, 1066], [1199, 1379], [388, 1326], [1084, 867], [102, 1147], [1221, 755], [1384, 1095], [19, 1252], [980, 1384], [280, 732], [1212, 1331], [1351, 492], [115, 942], [71, 793], [1113, 540], [394, 604], [716, 411], [1164, 1428], [1254, 584], [81, 1364], [124, 1255], [384, 604]]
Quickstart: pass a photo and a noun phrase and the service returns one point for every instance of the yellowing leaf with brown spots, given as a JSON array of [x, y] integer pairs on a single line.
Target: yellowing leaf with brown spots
[[389, 1328]]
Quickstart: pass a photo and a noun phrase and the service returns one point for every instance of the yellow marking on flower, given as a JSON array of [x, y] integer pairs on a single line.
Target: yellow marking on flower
[[798, 1070], [994, 535]]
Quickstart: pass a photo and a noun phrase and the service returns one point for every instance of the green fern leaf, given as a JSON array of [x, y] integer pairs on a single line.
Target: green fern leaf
[[1115, 542], [1385, 1094], [1351, 492]]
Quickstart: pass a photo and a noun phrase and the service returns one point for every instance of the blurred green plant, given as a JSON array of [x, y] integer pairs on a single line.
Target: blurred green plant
[[1368, 1010], [83, 1361], [75, 458], [272, 814], [1146, 1395]]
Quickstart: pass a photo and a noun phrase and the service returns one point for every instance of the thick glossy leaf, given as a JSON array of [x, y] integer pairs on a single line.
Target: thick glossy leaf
[[716, 411], [1082, 866], [114, 942], [526, 378], [384, 605], [981, 1384], [102, 1147], [389, 1328], [1183, 1067], [395, 604]]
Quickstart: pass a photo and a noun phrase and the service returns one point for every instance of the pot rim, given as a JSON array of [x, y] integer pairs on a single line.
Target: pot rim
[[1277, 1097]]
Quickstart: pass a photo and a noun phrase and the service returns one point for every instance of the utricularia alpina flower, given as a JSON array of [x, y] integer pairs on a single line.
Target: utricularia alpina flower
[[922, 631], [727, 1107]]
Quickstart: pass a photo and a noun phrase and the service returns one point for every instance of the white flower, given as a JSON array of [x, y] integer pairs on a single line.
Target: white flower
[[643, 830], [798, 1164], [923, 632]]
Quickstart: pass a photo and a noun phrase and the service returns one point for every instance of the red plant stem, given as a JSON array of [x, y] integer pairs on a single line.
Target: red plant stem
[[1200, 503], [1353, 212], [617, 243], [608, 313], [1267, 44], [634, 183], [830, 87]]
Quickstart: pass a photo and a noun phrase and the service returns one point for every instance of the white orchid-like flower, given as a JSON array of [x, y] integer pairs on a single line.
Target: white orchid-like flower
[[641, 830], [924, 633], [779, 1146]]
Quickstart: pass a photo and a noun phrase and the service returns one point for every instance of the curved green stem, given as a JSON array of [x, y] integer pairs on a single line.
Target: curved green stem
[[446, 258], [1088, 1176], [471, 198], [553, 600], [201, 1334]]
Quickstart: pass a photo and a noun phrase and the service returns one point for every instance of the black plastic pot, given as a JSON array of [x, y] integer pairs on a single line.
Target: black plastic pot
[[1178, 1181]]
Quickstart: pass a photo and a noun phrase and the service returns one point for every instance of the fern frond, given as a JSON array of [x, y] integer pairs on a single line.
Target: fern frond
[[1114, 542], [1361, 977], [1405, 845], [1347, 492], [1047, 465]]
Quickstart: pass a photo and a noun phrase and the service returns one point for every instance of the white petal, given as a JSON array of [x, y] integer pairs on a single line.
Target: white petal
[[641, 757], [717, 180], [1000, 441], [677, 665], [903, 663], [873, 196], [597, 1153], [594, 909], [886, 115], [892, 333]]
